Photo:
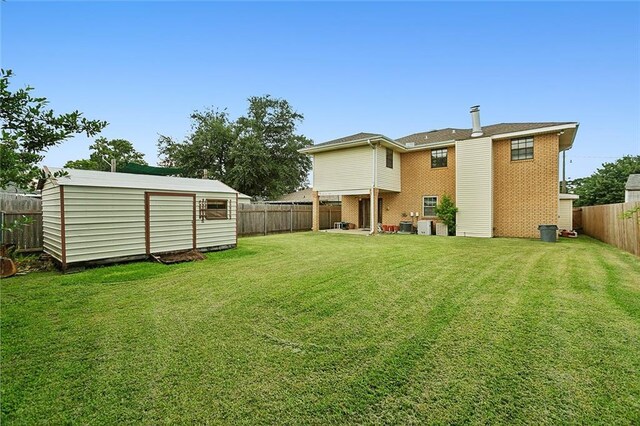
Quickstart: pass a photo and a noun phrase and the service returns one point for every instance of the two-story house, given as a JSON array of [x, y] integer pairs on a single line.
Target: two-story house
[[503, 177]]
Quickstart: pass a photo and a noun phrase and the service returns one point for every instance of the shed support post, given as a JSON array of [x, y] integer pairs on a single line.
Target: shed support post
[[315, 212]]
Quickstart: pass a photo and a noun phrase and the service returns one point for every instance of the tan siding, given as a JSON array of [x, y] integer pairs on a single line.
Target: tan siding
[[51, 220], [388, 179], [418, 179], [109, 222], [344, 169], [525, 191], [474, 188], [212, 233], [103, 222], [565, 214]]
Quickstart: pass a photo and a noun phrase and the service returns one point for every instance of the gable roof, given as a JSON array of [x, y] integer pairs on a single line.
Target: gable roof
[[633, 183], [350, 138], [137, 181], [448, 134]]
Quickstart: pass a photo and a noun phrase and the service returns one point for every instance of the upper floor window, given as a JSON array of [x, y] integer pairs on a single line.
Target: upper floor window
[[429, 205], [390, 158], [439, 158], [522, 149]]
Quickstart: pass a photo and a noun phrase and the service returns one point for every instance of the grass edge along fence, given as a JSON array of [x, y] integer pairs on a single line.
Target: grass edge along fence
[[607, 224]]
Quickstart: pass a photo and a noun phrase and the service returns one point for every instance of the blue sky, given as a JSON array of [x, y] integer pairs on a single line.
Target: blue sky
[[391, 68]]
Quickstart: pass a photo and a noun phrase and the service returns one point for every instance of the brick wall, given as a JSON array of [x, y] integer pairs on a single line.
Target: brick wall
[[525, 192], [419, 179], [350, 208]]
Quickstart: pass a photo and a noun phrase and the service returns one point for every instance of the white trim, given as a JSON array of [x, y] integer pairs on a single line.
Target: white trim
[[569, 196], [345, 192], [534, 131], [429, 196]]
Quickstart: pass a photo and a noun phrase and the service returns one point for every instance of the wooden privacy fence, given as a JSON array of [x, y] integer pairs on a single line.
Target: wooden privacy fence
[[253, 219], [606, 224], [256, 219], [13, 207]]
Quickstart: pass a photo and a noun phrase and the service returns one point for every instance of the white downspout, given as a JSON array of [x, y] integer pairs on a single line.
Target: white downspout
[[372, 214]]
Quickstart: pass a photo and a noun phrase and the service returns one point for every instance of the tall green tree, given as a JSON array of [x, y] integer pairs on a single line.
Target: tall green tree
[[606, 185], [257, 154], [207, 146], [103, 151], [29, 129], [266, 158]]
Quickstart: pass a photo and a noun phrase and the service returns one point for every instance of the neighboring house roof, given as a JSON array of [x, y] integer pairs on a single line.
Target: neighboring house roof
[[305, 196], [633, 183], [423, 140], [128, 180]]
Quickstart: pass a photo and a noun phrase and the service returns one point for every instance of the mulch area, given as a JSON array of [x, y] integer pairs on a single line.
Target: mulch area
[[170, 258]]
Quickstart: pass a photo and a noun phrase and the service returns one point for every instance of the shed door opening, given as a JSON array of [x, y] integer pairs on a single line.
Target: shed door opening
[[170, 221]]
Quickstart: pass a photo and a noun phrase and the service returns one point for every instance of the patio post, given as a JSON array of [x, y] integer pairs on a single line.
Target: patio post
[[315, 212]]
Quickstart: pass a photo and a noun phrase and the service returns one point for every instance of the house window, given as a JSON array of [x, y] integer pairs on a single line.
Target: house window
[[429, 205], [390, 158], [217, 209], [521, 149], [438, 158]]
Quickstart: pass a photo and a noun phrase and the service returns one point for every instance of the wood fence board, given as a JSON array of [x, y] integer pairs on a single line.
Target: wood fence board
[[605, 223]]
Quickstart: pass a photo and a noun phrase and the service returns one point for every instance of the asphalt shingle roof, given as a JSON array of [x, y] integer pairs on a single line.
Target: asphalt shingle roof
[[448, 134], [350, 138]]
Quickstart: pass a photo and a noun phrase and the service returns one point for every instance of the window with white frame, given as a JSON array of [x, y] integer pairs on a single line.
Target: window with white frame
[[522, 149], [429, 205], [438, 158], [389, 158]]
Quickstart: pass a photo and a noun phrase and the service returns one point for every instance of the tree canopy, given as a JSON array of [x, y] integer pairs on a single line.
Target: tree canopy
[[257, 154], [29, 129], [105, 150], [606, 185]]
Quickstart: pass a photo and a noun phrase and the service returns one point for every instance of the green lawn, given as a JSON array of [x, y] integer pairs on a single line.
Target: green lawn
[[324, 328]]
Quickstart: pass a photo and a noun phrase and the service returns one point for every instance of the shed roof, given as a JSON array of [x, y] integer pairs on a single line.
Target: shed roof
[[633, 183], [129, 180]]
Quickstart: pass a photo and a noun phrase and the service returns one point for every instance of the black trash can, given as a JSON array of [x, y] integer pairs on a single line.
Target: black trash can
[[548, 233]]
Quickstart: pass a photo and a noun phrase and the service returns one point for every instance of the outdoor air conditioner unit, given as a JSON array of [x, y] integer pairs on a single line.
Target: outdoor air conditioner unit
[[424, 227]]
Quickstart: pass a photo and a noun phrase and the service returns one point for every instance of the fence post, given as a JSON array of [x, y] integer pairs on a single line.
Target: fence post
[[291, 218], [265, 219]]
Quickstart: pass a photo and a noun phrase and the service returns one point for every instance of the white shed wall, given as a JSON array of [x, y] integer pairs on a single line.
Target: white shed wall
[[51, 221], [565, 214], [103, 222], [474, 188]]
